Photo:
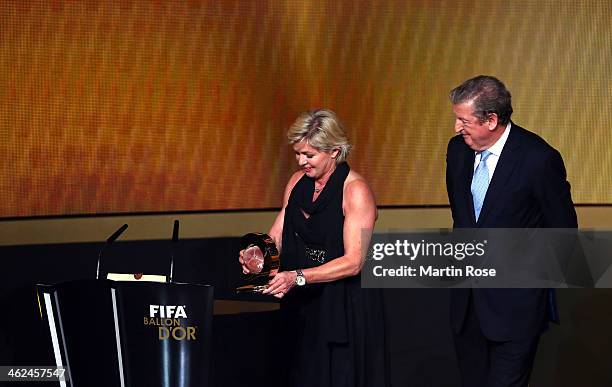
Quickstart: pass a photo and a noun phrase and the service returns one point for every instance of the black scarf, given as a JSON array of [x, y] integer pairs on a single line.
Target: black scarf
[[304, 190], [292, 255]]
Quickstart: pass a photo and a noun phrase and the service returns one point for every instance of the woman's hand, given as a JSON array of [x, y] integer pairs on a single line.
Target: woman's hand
[[281, 284], [245, 270], [252, 260]]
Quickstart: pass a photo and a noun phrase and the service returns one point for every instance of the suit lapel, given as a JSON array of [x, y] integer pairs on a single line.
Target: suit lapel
[[467, 174], [505, 165]]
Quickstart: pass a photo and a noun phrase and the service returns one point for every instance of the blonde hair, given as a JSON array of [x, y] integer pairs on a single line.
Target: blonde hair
[[322, 129]]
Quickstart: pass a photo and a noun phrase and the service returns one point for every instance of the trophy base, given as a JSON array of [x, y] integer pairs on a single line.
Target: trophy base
[[251, 289]]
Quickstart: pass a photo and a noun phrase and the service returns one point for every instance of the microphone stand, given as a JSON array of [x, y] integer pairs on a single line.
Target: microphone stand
[[109, 241]]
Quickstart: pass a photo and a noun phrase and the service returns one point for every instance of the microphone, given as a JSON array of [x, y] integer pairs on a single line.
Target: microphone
[[110, 240], [175, 238], [175, 231]]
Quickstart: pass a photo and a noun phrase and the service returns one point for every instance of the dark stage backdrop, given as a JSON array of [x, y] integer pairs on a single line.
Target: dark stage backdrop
[[244, 352], [165, 106], [576, 353]]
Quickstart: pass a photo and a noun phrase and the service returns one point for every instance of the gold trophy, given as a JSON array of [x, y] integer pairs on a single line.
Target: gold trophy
[[261, 257]]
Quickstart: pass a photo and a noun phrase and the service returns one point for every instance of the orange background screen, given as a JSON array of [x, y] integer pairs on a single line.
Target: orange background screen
[[128, 106]]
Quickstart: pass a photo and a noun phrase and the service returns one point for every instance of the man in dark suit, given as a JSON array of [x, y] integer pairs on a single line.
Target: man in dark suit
[[499, 175]]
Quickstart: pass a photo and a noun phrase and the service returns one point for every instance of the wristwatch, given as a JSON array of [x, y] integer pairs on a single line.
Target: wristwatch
[[300, 280]]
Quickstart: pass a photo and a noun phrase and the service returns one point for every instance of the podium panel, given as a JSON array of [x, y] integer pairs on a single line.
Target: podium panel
[[130, 333]]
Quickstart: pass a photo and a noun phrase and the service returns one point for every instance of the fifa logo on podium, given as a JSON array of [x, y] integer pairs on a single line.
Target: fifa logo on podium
[[167, 311], [168, 319]]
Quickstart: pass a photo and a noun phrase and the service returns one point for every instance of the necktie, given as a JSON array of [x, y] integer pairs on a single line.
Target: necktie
[[480, 182]]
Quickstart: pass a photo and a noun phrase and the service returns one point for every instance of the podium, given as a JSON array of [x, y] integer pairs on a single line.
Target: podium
[[130, 333]]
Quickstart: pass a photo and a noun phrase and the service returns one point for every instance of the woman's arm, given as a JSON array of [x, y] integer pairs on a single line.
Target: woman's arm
[[360, 216], [276, 231]]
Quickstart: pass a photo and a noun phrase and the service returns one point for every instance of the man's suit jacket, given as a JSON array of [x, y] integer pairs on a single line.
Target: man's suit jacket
[[528, 189]]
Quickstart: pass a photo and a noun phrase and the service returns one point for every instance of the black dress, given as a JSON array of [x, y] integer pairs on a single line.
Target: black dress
[[334, 331]]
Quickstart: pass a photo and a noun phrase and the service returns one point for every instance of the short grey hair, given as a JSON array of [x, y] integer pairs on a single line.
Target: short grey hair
[[322, 129], [488, 94]]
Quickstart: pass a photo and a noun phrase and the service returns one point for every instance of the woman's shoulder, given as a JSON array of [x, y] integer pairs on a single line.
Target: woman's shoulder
[[293, 180], [354, 177], [355, 184], [357, 195]]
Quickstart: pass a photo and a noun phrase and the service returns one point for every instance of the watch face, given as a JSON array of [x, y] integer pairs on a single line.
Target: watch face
[[300, 280]]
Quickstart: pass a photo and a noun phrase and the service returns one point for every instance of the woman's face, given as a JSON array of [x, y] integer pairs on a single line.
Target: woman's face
[[312, 162]]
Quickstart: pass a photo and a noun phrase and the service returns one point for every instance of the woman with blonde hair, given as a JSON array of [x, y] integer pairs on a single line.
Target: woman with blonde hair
[[334, 329]]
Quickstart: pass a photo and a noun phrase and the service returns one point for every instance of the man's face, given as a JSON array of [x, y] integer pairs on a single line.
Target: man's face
[[478, 136]]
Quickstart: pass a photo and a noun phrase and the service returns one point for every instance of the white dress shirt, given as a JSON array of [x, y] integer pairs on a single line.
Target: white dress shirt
[[496, 150]]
